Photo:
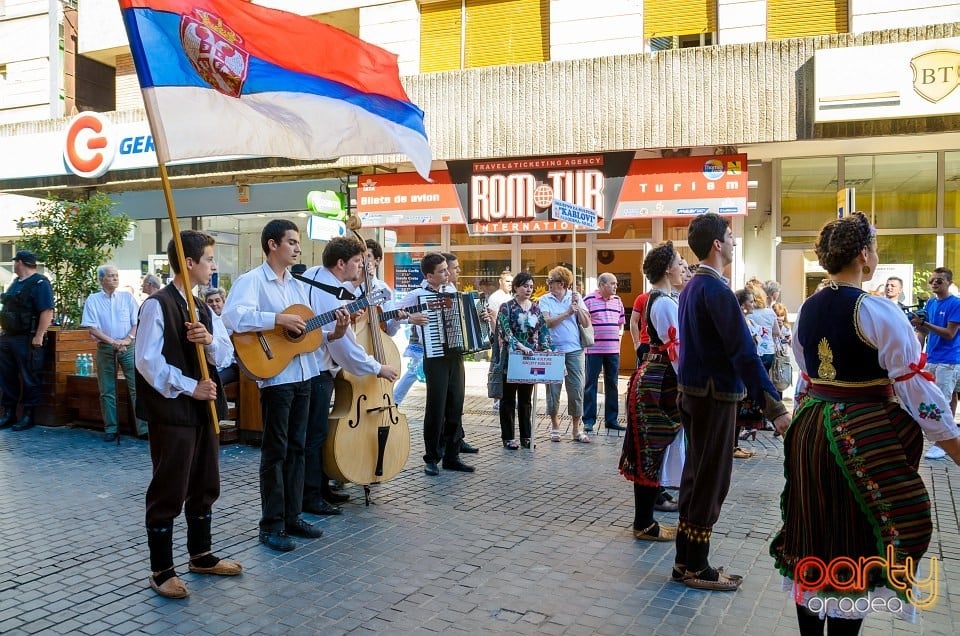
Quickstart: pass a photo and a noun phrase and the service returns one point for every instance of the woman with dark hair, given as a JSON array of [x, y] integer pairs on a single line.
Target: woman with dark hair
[[520, 327], [851, 454], [653, 420]]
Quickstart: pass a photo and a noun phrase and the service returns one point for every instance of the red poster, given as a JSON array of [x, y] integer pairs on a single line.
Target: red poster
[[684, 186], [393, 200]]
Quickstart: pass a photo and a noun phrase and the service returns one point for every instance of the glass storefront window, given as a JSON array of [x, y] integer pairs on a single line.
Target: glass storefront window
[[540, 261], [418, 236], [951, 191], [918, 250], [459, 236], [480, 270], [951, 254], [631, 229], [808, 193], [896, 191]]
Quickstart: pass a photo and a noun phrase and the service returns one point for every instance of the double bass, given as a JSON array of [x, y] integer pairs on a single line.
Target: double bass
[[368, 440]]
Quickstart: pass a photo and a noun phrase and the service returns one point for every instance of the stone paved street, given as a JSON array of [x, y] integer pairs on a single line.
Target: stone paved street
[[533, 542]]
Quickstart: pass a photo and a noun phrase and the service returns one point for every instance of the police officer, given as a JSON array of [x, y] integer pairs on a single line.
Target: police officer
[[26, 313]]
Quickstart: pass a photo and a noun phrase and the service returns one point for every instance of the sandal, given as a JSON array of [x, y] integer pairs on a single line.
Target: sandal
[[723, 583], [511, 444], [678, 572], [739, 453], [581, 437], [554, 435], [664, 533]]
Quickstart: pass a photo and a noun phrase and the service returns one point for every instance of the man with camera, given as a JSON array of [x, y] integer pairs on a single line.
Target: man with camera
[[25, 317], [938, 324]]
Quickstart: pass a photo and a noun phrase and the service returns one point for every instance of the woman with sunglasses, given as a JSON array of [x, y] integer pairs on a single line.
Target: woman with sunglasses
[[520, 327], [851, 453], [563, 310]]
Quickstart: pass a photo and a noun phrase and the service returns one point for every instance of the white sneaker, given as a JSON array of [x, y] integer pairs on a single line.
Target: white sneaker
[[496, 405], [935, 452]]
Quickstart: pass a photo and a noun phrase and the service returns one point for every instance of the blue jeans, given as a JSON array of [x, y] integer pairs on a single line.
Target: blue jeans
[[415, 353], [610, 363], [107, 360]]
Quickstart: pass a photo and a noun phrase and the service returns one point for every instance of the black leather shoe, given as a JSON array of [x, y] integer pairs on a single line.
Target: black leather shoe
[[8, 418], [25, 422], [467, 448], [458, 466], [143, 436], [431, 469], [278, 541], [615, 426], [335, 498], [666, 506], [301, 528], [110, 437], [321, 507]]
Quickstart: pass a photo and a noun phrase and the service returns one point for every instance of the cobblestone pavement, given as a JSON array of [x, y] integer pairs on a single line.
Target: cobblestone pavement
[[534, 542]]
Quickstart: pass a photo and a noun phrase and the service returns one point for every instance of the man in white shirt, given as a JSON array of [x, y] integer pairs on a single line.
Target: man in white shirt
[[342, 262], [502, 295], [174, 399], [256, 303], [111, 317]]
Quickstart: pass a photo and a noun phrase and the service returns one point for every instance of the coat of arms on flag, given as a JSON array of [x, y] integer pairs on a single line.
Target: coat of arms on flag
[[213, 49]]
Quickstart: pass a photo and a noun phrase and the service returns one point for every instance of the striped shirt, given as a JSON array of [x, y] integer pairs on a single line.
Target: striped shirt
[[608, 319]]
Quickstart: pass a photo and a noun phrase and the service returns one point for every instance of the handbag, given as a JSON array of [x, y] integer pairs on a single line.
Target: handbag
[[586, 335], [781, 372], [495, 374]]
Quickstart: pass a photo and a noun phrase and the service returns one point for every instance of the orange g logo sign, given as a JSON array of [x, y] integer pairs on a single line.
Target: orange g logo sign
[[89, 149]]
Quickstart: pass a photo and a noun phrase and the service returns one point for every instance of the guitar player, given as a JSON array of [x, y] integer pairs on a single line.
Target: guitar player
[[255, 303]]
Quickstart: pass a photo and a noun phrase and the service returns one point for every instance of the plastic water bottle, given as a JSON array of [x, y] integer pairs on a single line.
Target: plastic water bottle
[[85, 364], [78, 365], [89, 364]]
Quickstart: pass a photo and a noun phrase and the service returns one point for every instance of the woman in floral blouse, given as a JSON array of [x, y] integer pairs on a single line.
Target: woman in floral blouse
[[520, 327]]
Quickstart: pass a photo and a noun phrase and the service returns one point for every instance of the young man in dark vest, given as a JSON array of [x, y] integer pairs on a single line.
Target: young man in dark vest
[[718, 367], [173, 399]]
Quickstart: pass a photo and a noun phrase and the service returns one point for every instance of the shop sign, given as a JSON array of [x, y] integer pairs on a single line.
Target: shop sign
[[511, 196], [328, 204], [403, 199], [885, 81], [580, 217], [684, 186]]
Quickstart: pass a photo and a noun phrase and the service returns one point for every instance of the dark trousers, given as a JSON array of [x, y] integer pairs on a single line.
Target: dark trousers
[[444, 411], [186, 472], [285, 409], [709, 425], [20, 361], [610, 364], [314, 479], [516, 397]]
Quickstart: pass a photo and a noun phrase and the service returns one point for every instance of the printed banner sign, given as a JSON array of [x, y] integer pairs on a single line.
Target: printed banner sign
[[402, 199], [546, 367], [510, 196], [684, 186]]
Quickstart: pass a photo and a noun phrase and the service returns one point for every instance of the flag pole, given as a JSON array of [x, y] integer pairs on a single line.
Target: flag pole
[[574, 257], [188, 288]]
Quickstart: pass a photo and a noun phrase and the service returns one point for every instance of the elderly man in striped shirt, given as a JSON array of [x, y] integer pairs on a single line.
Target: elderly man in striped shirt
[[607, 316]]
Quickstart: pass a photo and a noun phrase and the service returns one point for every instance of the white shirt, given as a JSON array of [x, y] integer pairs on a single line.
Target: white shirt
[[114, 315], [344, 352], [220, 331], [564, 335], [665, 313], [765, 318], [253, 304], [885, 326], [167, 379], [496, 299]]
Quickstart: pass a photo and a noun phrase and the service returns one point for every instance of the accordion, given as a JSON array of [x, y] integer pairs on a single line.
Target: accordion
[[454, 324]]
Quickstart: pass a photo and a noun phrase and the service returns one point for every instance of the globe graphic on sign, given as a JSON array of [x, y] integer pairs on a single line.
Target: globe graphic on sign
[[543, 196]]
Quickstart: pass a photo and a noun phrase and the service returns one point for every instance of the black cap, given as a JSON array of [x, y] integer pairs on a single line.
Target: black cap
[[27, 258]]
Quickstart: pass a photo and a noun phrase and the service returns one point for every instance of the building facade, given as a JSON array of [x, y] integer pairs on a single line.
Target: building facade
[[632, 109]]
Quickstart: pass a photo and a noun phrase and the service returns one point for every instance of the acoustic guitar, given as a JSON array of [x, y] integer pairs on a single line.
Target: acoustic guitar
[[264, 354]]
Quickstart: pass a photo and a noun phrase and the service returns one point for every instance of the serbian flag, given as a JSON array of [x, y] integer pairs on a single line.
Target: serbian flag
[[227, 77]]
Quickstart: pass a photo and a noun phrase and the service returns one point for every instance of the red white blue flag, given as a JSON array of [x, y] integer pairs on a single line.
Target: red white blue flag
[[227, 77]]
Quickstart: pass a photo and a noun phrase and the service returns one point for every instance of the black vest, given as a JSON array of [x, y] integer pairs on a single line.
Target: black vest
[[655, 339], [179, 352], [834, 350]]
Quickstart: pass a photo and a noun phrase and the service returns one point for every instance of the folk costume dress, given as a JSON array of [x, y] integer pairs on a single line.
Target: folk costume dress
[[653, 419], [853, 449]]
